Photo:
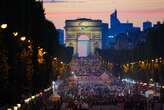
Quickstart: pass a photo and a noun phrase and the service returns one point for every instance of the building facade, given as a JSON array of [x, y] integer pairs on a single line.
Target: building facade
[[84, 35], [147, 25]]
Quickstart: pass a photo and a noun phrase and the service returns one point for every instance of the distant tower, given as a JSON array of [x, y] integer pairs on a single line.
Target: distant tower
[[147, 25], [61, 36], [114, 21]]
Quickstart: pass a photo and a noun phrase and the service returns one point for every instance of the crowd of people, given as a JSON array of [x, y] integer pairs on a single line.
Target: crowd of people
[[87, 66], [89, 91], [84, 94]]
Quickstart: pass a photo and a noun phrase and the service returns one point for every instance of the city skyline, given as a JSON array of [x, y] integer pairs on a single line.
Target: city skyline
[[132, 11]]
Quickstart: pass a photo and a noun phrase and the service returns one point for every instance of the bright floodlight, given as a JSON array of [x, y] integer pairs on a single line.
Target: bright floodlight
[[23, 38], [4, 26]]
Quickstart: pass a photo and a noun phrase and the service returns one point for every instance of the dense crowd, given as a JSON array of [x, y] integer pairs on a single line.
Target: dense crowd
[[87, 66], [86, 93], [82, 94]]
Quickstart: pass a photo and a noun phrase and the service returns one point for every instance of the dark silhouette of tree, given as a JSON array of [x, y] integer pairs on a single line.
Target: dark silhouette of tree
[[22, 74]]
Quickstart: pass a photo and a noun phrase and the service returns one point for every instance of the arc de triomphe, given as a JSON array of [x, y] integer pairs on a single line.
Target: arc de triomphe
[[84, 35]]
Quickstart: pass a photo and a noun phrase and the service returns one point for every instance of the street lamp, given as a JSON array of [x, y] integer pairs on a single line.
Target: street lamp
[[15, 108], [72, 72], [15, 34], [143, 62], [27, 100], [44, 53], [151, 79], [23, 38], [3, 26], [19, 105], [162, 87], [32, 97]]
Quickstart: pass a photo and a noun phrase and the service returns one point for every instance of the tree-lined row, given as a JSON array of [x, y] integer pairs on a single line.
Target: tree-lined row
[[25, 30]]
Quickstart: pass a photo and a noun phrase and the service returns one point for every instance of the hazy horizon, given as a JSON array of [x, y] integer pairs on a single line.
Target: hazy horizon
[[128, 10]]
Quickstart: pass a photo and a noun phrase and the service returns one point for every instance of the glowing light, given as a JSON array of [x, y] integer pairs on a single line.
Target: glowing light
[[55, 58], [19, 105], [4, 26], [27, 100], [151, 79], [40, 55], [33, 97], [44, 53], [56, 86], [61, 62], [15, 108], [152, 60], [141, 83], [9, 109], [41, 93], [162, 87], [23, 38], [15, 34], [132, 63], [143, 62], [53, 82], [151, 85], [110, 36], [37, 95], [30, 46], [29, 41], [48, 89], [144, 84]]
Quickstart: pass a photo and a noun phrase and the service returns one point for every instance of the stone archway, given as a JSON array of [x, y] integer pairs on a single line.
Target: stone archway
[[83, 45], [79, 32]]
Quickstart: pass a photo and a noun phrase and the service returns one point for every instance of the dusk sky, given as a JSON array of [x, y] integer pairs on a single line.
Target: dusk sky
[[135, 11]]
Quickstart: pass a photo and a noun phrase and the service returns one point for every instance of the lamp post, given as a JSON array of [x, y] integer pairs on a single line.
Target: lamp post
[[15, 34], [4, 26], [23, 38]]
